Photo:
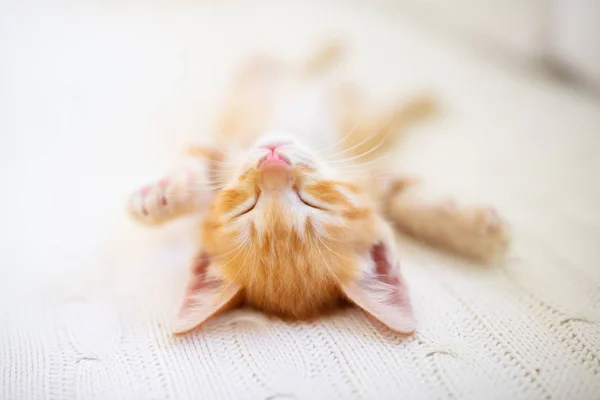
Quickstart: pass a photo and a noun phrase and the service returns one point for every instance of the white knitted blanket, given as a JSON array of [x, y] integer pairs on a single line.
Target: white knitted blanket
[[95, 100]]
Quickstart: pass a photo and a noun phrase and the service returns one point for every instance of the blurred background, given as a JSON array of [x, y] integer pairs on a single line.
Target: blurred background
[[555, 36]]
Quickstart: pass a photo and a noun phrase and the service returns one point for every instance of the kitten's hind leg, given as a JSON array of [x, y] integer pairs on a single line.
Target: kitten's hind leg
[[475, 232]]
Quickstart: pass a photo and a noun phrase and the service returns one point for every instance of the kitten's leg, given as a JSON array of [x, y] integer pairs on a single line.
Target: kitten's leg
[[475, 232], [178, 194]]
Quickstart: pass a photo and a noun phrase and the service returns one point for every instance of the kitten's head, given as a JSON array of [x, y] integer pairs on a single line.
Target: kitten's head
[[290, 235]]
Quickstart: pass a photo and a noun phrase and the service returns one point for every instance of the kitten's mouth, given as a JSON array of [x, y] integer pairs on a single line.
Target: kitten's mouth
[[274, 170]]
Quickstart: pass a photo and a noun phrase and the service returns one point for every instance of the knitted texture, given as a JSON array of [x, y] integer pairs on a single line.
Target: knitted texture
[[481, 334], [86, 297]]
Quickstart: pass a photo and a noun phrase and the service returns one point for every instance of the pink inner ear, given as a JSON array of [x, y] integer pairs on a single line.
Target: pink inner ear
[[382, 292], [197, 280], [204, 297], [385, 274], [382, 265]]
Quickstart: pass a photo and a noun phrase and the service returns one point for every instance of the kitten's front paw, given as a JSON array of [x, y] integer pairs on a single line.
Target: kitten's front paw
[[151, 204]]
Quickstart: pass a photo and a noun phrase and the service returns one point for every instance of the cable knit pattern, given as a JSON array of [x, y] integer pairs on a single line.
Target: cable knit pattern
[[108, 95], [491, 341], [477, 338]]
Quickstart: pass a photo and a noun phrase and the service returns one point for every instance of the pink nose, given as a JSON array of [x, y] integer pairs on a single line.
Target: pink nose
[[273, 146], [273, 159]]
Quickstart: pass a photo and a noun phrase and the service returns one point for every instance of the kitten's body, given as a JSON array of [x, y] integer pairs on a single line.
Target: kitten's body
[[298, 221]]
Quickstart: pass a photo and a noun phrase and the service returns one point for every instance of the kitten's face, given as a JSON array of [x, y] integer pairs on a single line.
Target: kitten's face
[[291, 217], [289, 235], [281, 181]]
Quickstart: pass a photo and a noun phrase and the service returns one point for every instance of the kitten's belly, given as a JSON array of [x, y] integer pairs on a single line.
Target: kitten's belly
[[307, 115]]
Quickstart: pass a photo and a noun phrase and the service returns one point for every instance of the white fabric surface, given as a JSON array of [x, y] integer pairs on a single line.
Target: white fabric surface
[[95, 100]]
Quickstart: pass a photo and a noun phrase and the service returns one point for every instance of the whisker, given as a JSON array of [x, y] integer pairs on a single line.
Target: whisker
[[363, 164], [367, 138], [194, 185], [204, 189], [331, 250], [191, 193], [239, 269], [205, 182], [350, 132], [234, 257], [216, 185], [221, 163], [369, 177], [381, 143], [365, 174], [253, 263], [200, 191], [325, 262], [231, 251]]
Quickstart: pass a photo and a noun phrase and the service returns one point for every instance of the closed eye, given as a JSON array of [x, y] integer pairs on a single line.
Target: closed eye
[[250, 206], [309, 203]]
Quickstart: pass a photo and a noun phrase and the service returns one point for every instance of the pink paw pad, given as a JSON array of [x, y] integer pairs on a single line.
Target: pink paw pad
[[145, 190], [150, 201]]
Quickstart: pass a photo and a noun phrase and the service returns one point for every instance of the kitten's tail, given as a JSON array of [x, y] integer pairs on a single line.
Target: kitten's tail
[[327, 56]]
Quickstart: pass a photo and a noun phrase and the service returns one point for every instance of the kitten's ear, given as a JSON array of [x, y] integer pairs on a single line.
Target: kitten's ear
[[380, 290], [206, 295]]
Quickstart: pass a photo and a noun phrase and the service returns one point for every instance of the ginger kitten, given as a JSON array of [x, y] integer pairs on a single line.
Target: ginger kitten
[[294, 215]]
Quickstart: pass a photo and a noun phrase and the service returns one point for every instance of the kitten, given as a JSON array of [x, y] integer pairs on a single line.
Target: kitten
[[294, 216]]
